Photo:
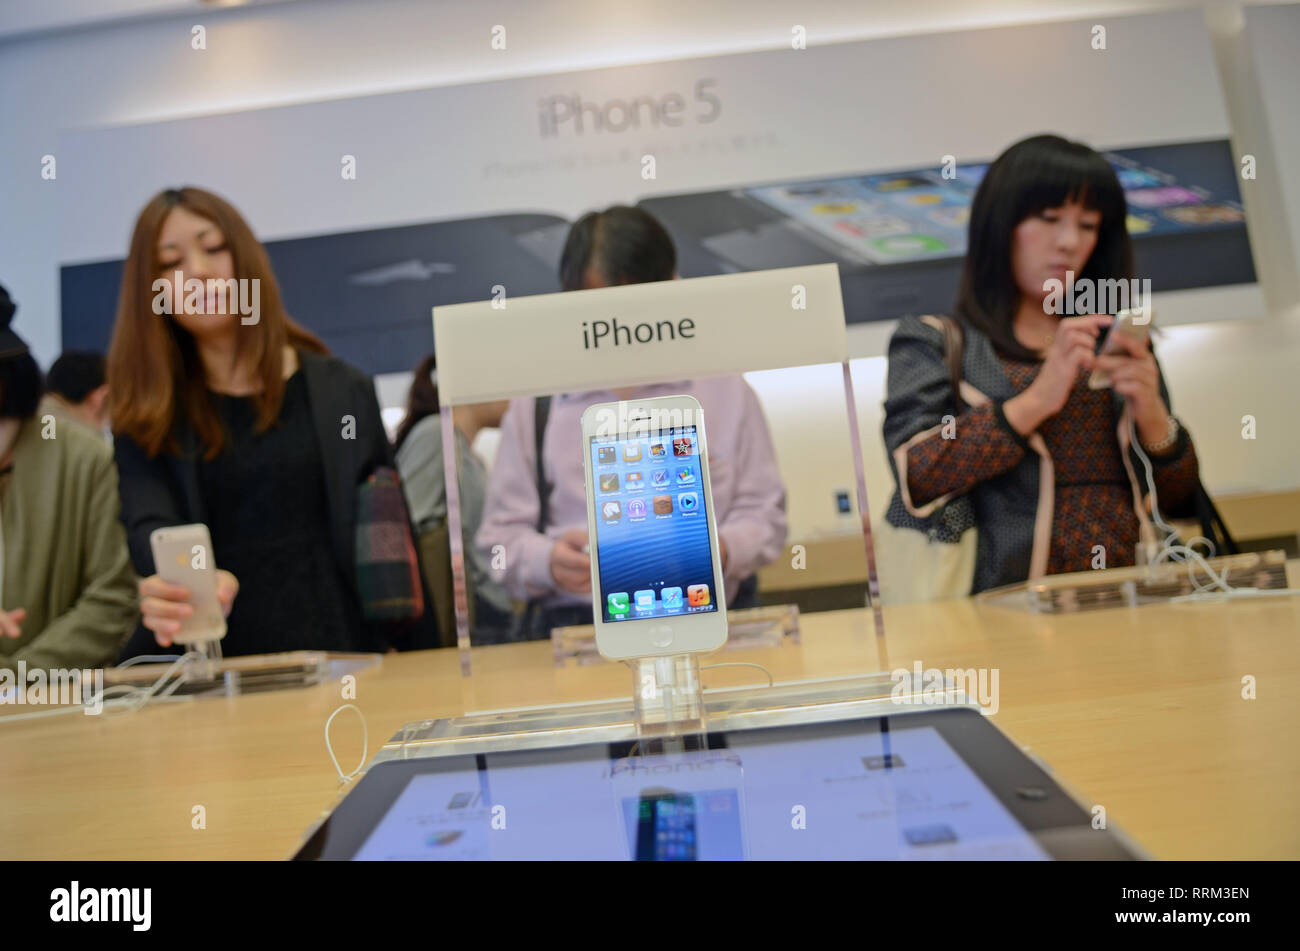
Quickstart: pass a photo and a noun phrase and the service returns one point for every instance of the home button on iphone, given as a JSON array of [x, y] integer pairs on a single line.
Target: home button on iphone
[[661, 635]]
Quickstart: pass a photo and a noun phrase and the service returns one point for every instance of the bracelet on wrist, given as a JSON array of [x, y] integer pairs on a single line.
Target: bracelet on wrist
[[1167, 443]]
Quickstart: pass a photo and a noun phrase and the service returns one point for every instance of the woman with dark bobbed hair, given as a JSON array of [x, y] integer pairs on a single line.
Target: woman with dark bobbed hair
[[1017, 444]]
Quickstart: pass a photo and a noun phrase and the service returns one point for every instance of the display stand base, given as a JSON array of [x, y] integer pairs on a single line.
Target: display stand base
[[772, 625], [253, 673], [668, 699], [1137, 585], [616, 720]]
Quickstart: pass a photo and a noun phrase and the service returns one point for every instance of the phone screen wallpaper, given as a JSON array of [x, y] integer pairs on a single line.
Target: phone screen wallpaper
[[652, 528], [923, 214]]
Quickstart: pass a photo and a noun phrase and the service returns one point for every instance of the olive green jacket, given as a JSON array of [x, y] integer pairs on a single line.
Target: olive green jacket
[[65, 555]]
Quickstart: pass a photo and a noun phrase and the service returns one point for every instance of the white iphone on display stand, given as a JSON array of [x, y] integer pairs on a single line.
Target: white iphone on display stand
[[182, 554], [656, 571]]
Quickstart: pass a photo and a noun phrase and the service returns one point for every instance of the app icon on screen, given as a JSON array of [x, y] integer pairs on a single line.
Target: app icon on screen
[[685, 475], [632, 452], [635, 508], [1212, 214], [672, 598], [632, 480], [1135, 178], [658, 449], [688, 501], [894, 183], [936, 834], [611, 510], [663, 504], [951, 216], [659, 477], [903, 244], [925, 199], [812, 191], [618, 603], [887, 761], [605, 454], [698, 595], [683, 446], [835, 208], [883, 224], [645, 600], [444, 837], [1136, 224], [1160, 197], [609, 482]]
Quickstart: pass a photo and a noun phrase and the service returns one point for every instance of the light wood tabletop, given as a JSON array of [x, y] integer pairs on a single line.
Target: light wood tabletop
[[1140, 710]]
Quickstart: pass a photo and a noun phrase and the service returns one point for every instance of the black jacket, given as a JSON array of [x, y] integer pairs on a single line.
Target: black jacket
[[165, 490], [1005, 508]]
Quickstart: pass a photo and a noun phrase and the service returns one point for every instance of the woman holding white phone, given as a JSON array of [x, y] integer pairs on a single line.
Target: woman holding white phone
[[230, 414], [1013, 441]]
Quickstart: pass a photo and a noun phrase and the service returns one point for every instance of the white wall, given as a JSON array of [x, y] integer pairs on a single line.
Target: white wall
[[1261, 66], [318, 49]]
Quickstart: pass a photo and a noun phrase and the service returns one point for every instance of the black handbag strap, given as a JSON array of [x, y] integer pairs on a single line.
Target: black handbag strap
[[541, 412], [532, 623], [953, 346], [1212, 525]]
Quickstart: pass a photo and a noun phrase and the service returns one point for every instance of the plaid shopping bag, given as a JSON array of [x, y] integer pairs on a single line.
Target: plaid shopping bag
[[388, 571]]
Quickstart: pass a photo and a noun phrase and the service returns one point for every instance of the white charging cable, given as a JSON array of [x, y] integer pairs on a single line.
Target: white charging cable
[[126, 697], [365, 743], [1176, 551]]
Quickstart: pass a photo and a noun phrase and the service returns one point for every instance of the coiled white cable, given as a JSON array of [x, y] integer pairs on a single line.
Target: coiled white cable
[[126, 697], [1185, 552], [365, 743]]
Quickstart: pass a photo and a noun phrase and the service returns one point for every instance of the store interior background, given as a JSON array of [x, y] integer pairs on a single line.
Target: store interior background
[[77, 64]]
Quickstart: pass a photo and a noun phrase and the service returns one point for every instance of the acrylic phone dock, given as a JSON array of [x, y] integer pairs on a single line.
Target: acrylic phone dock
[[785, 318]]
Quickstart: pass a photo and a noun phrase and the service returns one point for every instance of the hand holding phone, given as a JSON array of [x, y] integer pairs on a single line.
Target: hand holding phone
[[571, 562], [1072, 349], [187, 600], [1127, 337], [1129, 368]]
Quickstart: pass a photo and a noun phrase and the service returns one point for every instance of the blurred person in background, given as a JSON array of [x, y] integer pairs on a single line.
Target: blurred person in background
[[538, 513], [1040, 463], [76, 388], [243, 422], [67, 592], [418, 447]]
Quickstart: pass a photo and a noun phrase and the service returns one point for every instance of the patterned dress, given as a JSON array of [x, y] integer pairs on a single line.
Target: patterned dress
[[1093, 497]]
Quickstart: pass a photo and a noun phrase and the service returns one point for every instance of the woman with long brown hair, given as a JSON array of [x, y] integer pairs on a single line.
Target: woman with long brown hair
[[227, 412]]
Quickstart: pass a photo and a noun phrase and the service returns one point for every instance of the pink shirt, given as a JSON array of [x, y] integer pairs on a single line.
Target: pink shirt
[[748, 495]]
